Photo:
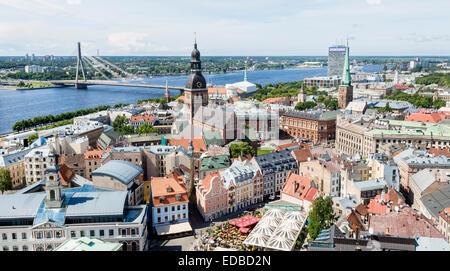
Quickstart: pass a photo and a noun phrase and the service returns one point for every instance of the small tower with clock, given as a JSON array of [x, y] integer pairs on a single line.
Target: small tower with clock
[[196, 91]]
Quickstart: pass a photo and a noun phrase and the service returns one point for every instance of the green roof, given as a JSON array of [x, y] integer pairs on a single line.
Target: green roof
[[427, 130], [88, 244], [213, 137], [214, 163], [329, 115]]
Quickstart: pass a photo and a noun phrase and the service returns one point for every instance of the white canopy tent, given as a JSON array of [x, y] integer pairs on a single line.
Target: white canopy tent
[[277, 230]]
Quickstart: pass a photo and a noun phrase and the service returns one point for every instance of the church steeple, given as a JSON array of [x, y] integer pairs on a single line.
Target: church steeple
[[346, 76], [245, 73], [54, 198]]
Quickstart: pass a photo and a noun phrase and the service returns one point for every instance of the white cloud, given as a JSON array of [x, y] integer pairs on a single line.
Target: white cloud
[[134, 42], [73, 2], [373, 2]]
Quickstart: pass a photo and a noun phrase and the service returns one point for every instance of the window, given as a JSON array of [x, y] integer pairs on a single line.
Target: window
[[133, 231], [5, 248], [92, 233], [24, 248], [24, 236], [15, 248], [39, 235], [72, 234], [58, 234], [39, 248], [102, 233], [159, 210], [124, 232], [111, 232], [14, 236], [48, 235], [82, 233], [133, 246], [4, 236], [49, 248]]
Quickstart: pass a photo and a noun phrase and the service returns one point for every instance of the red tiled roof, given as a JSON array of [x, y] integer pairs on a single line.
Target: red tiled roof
[[285, 146], [305, 189], [405, 223], [276, 100], [206, 182], [198, 143], [145, 118], [401, 87], [160, 190], [303, 155], [438, 152], [428, 117], [93, 155], [219, 90]]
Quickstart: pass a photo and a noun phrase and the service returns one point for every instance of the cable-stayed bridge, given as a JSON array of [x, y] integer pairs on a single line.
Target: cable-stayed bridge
[[102, 66]]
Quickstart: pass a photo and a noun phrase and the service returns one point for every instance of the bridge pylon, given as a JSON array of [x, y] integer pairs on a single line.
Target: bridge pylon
[[80, 85]]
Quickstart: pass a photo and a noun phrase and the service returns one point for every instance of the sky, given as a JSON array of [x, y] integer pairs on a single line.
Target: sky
[[224, 28]]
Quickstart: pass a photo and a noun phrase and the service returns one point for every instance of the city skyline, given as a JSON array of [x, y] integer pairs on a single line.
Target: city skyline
[[265, 28]]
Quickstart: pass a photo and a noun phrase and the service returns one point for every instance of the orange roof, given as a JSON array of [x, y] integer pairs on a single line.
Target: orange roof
[[276, 100], [304, 189], [145, 118], [303, 155], [376, 207], [205, 184], [165, 191], [215, 90], [426, 116], [198, 143], [285, 146], [438, 152], [93, 155]]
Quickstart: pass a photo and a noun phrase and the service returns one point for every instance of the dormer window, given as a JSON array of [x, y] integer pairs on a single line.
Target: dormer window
[[162, 199], [178, 197], [169, 189]]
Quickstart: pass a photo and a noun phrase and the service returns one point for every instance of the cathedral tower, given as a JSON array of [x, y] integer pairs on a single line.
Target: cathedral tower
[[196, 92]]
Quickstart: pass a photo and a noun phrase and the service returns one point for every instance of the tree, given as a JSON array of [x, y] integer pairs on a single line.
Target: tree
[[146, 128], [32, 138], [306, 105], [237, 150], [5, 180], [321, 216]]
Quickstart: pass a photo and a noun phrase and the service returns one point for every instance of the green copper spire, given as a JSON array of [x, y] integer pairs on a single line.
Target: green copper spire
[[245, 73], [346, 77]]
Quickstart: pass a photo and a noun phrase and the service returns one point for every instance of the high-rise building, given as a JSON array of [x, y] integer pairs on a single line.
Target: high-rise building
[[336, 59], [346, 88]]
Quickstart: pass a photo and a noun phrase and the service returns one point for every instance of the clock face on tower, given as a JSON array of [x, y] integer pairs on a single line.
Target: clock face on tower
[[199, 84]]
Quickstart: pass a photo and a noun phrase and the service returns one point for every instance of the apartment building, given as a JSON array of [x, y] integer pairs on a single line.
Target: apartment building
[[275, 168], [36, 161]]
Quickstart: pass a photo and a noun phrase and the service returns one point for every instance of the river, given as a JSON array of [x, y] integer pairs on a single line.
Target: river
[[18, 105]]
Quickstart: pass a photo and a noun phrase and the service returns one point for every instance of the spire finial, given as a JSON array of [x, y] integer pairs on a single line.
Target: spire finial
[[195, 39]]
